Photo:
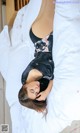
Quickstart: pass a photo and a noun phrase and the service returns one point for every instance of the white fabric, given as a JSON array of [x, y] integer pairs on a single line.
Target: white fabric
[[4, 51], [64, 99]]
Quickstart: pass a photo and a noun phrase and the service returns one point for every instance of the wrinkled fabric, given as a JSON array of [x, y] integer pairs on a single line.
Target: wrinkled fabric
[[64, 99]]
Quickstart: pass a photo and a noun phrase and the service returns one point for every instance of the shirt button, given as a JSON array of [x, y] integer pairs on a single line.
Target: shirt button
[[21, 40], [20, 26], [37, 64], [22, 15], [50, 60]]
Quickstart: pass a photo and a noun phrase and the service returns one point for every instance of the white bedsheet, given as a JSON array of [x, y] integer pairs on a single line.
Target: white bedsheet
[[16, 53]]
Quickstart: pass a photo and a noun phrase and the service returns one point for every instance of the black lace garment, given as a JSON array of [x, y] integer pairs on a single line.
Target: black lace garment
[[42, 57]]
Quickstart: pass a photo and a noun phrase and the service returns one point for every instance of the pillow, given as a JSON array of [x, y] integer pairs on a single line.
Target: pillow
[[19, 58], [66, 55], [66, 40]]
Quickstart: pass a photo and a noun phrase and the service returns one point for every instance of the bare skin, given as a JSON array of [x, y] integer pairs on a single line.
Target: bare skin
[[43, 24], [41, 27], [33, 86], [43, 95]]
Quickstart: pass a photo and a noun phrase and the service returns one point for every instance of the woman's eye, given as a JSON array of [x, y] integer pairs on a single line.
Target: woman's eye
[[32, 91]]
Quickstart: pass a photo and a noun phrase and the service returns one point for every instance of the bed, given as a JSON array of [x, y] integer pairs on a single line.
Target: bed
[[17, 51]]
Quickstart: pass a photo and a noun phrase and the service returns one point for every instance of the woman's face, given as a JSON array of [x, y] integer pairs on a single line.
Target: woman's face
[[33, 88]]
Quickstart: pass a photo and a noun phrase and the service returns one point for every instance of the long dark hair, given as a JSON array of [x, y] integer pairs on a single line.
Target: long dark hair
[[33, 104], [29, 103]]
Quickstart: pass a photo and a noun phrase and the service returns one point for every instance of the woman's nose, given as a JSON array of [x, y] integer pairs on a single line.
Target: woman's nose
[[36, 88], [36, 93]]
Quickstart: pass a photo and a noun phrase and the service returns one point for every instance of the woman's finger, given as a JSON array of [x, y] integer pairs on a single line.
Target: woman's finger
[[38, 98], [39, 94]]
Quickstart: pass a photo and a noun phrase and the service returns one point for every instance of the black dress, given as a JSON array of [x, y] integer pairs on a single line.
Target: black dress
[[42, 58]]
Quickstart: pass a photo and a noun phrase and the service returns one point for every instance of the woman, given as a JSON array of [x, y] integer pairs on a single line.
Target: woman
[[37, 79]]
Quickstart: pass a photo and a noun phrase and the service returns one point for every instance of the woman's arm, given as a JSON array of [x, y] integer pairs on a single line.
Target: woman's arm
[[48, 89], [43, 95]]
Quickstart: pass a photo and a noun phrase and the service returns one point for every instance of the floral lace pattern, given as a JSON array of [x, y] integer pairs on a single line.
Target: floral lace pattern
[[43, 44]]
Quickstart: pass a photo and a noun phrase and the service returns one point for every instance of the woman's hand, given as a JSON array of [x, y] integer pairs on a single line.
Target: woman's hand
[[42, 96]]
